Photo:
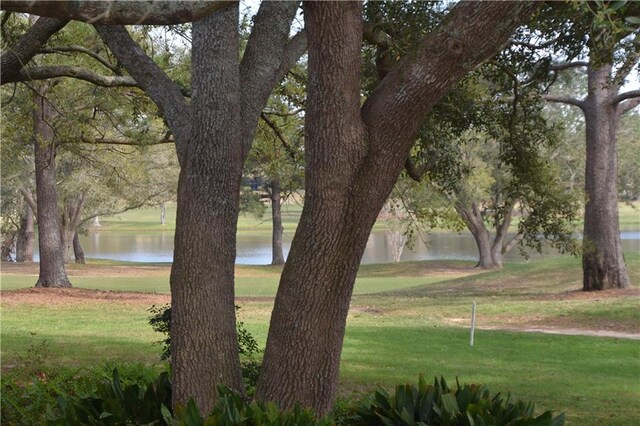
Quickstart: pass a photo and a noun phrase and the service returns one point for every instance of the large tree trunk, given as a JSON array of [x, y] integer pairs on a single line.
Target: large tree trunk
[[307, 325], [213, 134], [52, 271], [354, 157], [602, 259], [204, 345], [277, 254], [24, 244]]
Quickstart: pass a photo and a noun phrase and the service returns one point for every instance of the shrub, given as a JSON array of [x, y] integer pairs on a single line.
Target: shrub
[[160, 321], [432, 405], [437, 405], [232, 409], [114, 404]]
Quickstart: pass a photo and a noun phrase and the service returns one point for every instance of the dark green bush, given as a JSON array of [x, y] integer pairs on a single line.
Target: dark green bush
[[437, 404], [113, 403], [232, 409], [160, 321], [433, 405]]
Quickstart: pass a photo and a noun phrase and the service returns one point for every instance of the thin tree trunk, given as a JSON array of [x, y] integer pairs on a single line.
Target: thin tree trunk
[[277, 257], [602, 259], [6, 246], [204, 346], [77, 249], [52, 271], [163, 214], [24, 244], [71, 216]]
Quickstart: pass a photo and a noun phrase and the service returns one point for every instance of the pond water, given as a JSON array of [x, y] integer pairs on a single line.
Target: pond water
[[256, 249]]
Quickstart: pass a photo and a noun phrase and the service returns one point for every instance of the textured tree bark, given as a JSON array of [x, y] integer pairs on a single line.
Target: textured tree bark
[[602, 259], [77, 249], [24, 243], [277, 254], [71, 216], [203, 328], [475, 224], [212, 137], [17, 56], [52, 271], [354, 156], [305, 336], [118, 12]]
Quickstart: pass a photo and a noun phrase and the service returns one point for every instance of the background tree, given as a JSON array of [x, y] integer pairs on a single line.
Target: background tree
[[612, 49], [276, 156], [95, 132]]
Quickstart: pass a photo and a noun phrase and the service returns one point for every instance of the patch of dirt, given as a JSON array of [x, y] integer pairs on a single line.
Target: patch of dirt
[[373, 310], [73, 296], [591, 295], [76, 270], [567, 331]]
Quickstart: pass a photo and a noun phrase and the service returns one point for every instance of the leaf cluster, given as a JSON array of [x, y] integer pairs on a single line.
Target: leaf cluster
[[438, 404]]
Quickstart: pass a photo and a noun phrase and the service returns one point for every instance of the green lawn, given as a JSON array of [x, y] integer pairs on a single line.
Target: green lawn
[[405, 319], [148, 219]]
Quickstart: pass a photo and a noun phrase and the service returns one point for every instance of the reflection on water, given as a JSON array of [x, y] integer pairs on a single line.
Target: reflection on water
[[256, 249]]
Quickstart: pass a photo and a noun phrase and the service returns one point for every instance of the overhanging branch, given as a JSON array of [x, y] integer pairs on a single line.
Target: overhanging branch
[[17, 56], [626, 95], [119, 12], [80, 49], [564, 100], [279, 135], [628, 105], [567, 65], [56, 71]]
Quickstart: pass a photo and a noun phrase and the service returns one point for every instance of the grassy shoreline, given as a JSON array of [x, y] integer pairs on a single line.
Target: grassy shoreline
[[148, 220]]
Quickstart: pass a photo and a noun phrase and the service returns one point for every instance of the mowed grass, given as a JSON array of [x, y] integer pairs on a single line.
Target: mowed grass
[[405, 319], [148, 219]]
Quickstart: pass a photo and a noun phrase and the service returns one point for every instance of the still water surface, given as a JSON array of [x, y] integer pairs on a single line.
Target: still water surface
[[256, 250]]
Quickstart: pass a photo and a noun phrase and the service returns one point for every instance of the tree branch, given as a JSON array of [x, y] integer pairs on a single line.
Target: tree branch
[[283, 139], [627, 65], [627, 106], [375, 37], [565, 100], [37, 36], [567, 65], [267, 58], [55, 71], [152, 79], [80, 49], [107, 141], [417, 172], [28, 197], [398, 105], [534, 46], [283, 114], [626, 95], [119, 12]]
